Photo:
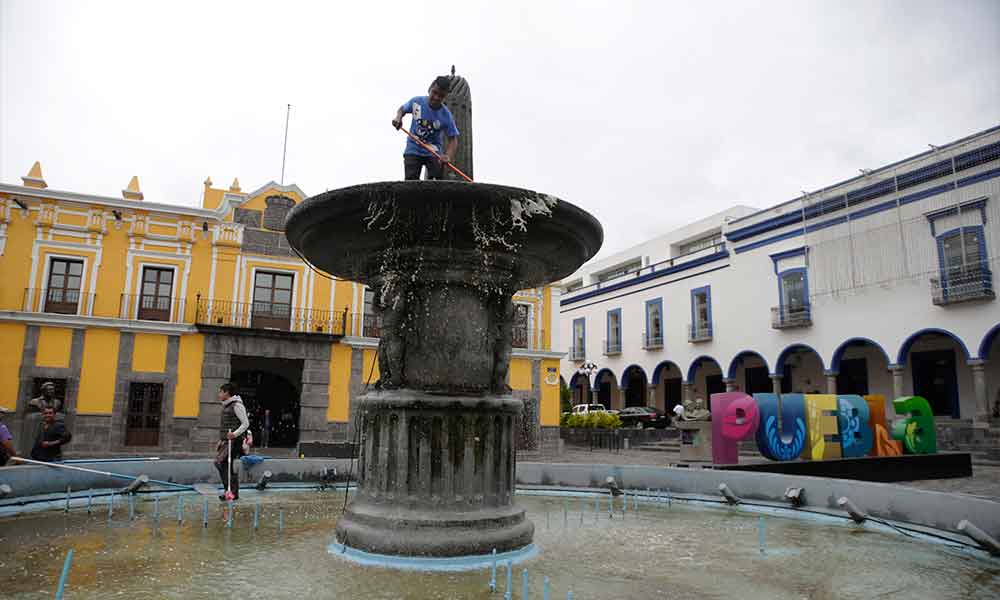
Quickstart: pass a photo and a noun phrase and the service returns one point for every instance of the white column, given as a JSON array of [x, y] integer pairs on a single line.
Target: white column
[[831, 383], [982, 418]]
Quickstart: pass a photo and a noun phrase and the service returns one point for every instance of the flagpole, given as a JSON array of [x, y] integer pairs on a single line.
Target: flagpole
[[284, 148]]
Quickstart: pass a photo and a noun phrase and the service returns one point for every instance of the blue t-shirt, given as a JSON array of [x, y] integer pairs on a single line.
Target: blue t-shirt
[[429, 125]]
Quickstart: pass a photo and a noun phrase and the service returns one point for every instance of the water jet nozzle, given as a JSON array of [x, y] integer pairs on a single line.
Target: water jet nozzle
[[857, 515], [137, 483], [794, 495], [731, 498], [264, 479], [985, 540]]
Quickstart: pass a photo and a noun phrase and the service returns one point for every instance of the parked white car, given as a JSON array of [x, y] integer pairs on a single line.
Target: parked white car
[[586, 409]]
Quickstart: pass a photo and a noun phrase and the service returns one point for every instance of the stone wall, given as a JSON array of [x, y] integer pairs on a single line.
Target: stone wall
[[216, 370], [23, 424]]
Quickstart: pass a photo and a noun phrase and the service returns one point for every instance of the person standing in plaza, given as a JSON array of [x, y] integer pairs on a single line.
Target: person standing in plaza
[[233, 425], [7, 450], [431, 123], [52, 436]]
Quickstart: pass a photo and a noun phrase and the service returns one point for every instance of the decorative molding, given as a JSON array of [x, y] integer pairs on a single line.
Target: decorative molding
[[83, 322]]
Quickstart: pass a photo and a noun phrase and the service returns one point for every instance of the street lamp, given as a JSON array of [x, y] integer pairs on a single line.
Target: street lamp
[[588, 368]]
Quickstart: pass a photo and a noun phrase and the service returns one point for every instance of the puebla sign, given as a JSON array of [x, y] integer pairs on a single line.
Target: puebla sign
[[819, 426]]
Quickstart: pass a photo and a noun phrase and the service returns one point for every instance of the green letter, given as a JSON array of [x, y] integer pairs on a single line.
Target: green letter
[[916, 430]]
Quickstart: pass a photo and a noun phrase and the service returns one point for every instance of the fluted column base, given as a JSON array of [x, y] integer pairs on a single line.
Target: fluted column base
[[436, 476]]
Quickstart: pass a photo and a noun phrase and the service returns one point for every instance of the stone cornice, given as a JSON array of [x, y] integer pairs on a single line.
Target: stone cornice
[[82, 322]]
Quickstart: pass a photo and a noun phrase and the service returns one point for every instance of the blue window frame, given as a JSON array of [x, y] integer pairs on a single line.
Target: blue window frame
[[654, 323], [963, 263], [579, 348], [954, 258], [793, 291], [701, 312], [613, 345]]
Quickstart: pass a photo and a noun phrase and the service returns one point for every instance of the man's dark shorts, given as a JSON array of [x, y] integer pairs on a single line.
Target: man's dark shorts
[[413, 162]]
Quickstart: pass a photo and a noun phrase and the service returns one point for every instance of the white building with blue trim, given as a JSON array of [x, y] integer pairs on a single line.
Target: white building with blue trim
[[880, 284]]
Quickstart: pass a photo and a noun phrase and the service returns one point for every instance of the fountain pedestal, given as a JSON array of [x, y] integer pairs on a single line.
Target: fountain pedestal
[[437, 465]]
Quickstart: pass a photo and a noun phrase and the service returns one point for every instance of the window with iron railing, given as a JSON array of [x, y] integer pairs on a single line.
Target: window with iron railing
[[272, 300], [63, 292], [157, 289], [964, 274], [653, 336], [785, 317], [521, 335]]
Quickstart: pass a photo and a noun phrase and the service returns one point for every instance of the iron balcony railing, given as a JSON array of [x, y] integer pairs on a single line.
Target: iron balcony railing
[[265, 315], [577, 353], [149, 308], [699, 332], [963, 285], [784, 317], [57, 300], [526, 338], [371, 325], [652, 341], [612, 347]]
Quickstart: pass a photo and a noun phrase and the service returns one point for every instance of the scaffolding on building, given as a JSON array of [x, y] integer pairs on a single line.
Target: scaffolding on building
[[878, 234]]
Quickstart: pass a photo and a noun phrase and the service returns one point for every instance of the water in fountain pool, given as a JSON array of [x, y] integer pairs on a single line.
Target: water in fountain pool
[[680, 551]]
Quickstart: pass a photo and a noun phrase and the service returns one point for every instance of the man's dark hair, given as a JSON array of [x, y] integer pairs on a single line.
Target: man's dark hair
[[443, 82], [229, 388]]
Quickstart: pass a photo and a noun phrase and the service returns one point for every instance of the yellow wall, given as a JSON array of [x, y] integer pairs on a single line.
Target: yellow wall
[[13, 267], [549, 412], [12, 340], [149, 353], [519, 374], [54, 347], [547, 318], [111, 273], [340, 378], [187, 393], [97, 373], [369, 373]]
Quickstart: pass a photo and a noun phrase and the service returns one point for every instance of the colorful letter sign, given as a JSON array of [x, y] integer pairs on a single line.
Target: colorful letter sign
[[734, 418], [818, 426], [787, 442], [916, 430], [822, 423], [853, 416]]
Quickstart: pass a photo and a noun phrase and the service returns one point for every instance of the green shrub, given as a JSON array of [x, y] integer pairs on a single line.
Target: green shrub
[[591, 421]]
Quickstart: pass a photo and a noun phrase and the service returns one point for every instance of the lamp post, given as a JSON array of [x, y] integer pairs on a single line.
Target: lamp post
[[588, 368]]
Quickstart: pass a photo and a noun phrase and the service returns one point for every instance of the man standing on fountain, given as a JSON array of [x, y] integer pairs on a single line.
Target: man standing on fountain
[[431, 121], [233, 425]]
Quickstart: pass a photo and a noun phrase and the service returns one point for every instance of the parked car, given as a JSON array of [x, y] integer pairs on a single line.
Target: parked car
[[643, 416], [586, 409]]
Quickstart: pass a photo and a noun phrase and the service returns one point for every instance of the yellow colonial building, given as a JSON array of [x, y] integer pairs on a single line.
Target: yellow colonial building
[[139, 310]]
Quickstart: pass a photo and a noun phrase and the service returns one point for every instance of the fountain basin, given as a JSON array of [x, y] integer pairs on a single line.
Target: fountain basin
[[437, 434]]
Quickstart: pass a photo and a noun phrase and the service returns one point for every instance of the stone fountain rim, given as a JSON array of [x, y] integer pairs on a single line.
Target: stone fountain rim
[[581, 229]]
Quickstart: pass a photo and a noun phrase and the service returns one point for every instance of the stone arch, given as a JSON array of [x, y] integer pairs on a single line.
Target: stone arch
[[634, 385], [987, 343], [735, 363], [779, 364], [606, 390], [838, 354], [663, 367], [904, 349], [697, 363]]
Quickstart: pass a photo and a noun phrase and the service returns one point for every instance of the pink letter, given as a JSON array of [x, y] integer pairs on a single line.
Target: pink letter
[[734, 418]]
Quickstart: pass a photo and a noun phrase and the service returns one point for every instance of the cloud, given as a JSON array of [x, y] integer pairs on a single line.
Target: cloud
[[648, 114]]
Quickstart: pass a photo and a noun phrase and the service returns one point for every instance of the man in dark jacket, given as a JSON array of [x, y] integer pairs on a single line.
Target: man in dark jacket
[[233, 426], [52, 436]]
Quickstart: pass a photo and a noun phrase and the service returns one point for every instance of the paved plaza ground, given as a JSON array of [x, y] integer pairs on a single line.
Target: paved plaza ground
[[984, 483]]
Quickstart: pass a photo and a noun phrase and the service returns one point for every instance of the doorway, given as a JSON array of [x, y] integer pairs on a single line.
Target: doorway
[[935, 379], [270, 388], [853, 377]]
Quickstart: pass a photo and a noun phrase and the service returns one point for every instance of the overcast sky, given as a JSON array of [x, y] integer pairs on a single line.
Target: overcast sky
[[648, 114]]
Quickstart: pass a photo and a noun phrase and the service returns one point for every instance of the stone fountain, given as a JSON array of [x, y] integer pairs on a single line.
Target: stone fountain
[[437, 462]]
